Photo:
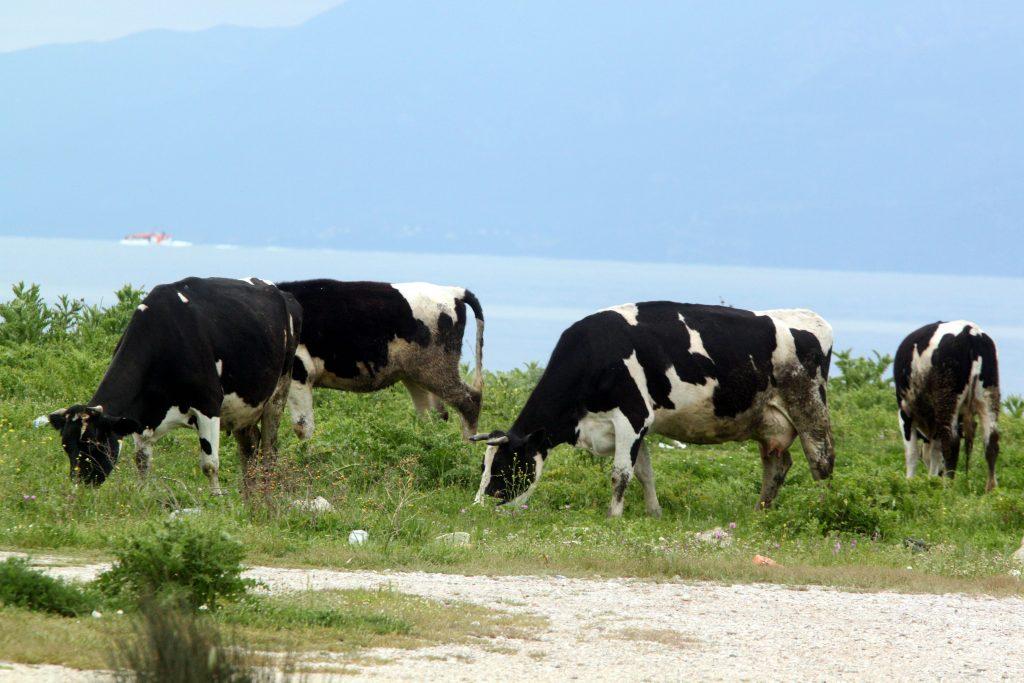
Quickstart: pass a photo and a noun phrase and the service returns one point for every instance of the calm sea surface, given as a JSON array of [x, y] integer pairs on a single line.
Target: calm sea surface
[[529, 301]]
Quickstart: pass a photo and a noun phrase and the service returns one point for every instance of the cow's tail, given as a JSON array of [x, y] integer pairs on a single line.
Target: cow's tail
[[478, 312]]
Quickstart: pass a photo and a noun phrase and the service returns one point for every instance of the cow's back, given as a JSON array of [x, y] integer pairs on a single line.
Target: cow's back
[[188, 335]]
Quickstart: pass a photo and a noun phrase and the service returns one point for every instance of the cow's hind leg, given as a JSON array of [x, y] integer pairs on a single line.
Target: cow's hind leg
[[968, 427], [775, 464], [645, 474], [248, 439], [990, 433], [270, 421], [209, 449], [911, 447]]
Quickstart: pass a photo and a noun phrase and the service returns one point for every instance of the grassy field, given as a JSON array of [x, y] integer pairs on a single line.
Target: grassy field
[[407, 479]]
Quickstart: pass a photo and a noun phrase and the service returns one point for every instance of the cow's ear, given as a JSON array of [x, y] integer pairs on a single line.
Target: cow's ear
[[58, 419], [121, 426]]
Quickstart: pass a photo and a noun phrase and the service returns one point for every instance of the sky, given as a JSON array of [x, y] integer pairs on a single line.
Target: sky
[[29, 23]]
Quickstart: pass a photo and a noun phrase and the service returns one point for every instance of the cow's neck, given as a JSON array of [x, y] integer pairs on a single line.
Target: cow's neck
[[553, 407], [120, 391]]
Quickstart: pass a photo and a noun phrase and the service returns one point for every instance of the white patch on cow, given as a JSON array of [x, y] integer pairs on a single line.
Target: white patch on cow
[[696, 342], [253, 280], [291, 325], [627, 311], [485, 477], [802, 319], [236, 413], [219, 365], [692, 417], [182, 297], [173, 419], [636, 371], [429, 301], [141, 307]]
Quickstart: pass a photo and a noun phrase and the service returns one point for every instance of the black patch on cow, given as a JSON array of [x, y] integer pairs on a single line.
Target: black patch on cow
[[634, 450], [192, 421], [350, 324], [299, 373], [906, 425], [205, 446], [809, 351]]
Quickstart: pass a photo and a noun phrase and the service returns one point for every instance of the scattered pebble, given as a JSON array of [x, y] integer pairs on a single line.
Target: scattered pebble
[[717, 537], [318, 504], [454, 538], [358, 536], [184, 512]]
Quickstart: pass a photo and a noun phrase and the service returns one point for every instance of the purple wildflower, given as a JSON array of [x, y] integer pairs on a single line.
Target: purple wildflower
[[732, 525]]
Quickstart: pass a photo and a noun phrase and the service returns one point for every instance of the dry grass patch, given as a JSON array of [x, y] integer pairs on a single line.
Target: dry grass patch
[[343, 625], [662, 636]]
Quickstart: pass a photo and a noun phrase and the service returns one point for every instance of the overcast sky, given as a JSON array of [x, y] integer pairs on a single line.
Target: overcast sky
[[28, 23]]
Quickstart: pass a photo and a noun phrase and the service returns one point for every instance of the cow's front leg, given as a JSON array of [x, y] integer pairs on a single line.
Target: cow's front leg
[[645, 474], [627, 448], [209, 449], [143, 454]]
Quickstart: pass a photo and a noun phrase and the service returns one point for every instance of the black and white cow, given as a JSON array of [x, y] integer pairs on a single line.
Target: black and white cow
[[208, 354], [947, 380], [699, 374], [365, 336]]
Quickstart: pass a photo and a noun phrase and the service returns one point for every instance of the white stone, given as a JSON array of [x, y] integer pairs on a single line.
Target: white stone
[[358, 537], [454, 538], [318, 504]]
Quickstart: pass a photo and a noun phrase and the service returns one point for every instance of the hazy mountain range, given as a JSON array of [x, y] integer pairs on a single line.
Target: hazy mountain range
[[834, 135]]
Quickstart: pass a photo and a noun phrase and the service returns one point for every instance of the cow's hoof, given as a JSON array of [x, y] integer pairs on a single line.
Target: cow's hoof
[[654, 512]]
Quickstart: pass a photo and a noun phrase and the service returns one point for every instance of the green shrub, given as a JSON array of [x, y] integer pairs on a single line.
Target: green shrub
[[843, 505], [22, 586], [201, 566], [1014, 406], [172, 644], [858, 372]]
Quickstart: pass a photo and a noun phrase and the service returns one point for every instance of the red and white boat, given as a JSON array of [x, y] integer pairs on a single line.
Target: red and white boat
[[146, 239]]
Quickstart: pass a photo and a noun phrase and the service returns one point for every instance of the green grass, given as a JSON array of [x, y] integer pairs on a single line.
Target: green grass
[[371, 456]]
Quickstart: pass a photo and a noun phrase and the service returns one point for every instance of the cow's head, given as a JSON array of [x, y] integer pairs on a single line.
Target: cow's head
[[91, 439], [512, 465]]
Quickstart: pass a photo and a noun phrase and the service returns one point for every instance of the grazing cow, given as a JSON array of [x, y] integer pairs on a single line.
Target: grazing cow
[[947, 380], [208, 354], [365, 336], [699, 374]]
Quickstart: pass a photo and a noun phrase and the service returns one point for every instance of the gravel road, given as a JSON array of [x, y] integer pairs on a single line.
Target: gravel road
[[625, 629]]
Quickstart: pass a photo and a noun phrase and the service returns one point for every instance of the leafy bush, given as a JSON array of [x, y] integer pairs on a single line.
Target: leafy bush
[[22, 586], [200, 566], [863, 507], [28, 319], [173, 644], [858, 372], [1014, 406]]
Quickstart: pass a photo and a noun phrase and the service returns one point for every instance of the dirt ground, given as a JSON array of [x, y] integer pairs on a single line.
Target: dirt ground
[[625, 629]]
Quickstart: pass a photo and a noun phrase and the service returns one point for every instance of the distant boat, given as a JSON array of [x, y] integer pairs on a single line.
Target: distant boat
[[146, 239]]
